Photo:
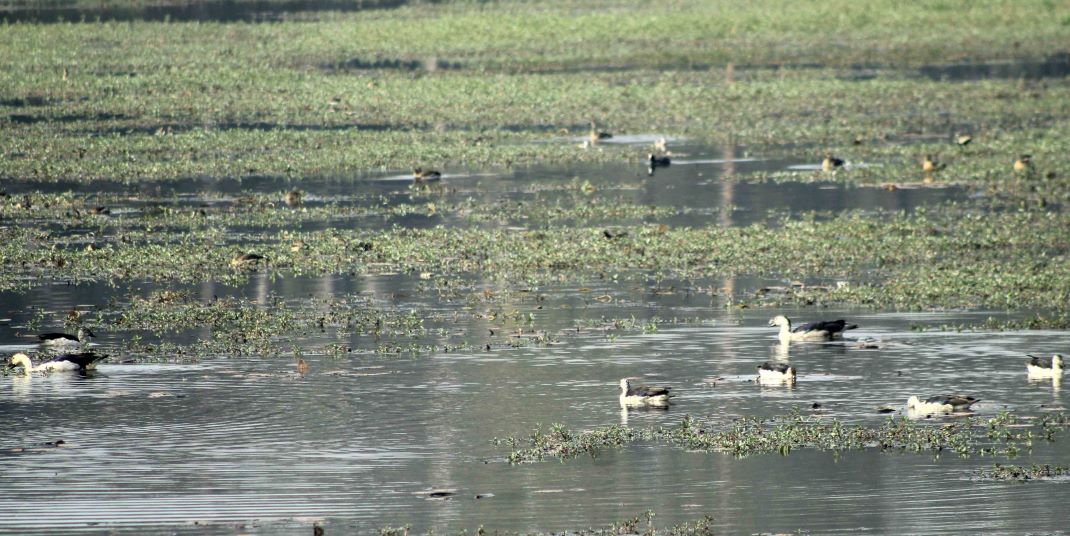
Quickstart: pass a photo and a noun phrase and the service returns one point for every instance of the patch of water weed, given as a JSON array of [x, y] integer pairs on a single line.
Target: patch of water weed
[[1004, 434], [639, 525], [1022, 473]]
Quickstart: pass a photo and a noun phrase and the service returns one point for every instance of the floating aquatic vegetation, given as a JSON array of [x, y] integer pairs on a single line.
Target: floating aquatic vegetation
[[1003, 434]]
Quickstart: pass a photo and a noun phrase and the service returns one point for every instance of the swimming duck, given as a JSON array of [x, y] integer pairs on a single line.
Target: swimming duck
[[822, 330], [595, 135], [1045, 367], [941, 403], [831, 162], [643, 395], [79, 361], [66, 339], [293, 198], [425, 175], [776, 373], [963, 139], [929, 165], [1023, 162]]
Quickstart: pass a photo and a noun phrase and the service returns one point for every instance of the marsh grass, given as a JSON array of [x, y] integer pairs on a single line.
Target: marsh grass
[[1000, 435]]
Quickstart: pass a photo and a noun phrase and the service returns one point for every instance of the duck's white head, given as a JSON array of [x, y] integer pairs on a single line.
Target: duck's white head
[[1057, 361], [22, 360], [625, 384], [913, 402], [779, 320]]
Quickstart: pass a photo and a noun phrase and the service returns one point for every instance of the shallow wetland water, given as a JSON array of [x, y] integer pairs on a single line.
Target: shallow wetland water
[[363, 440]]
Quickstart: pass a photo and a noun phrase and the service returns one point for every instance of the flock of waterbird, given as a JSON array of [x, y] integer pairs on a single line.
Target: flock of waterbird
[[633, 396]]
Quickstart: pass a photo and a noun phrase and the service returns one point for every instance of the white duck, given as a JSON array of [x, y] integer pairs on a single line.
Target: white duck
[[642, 395], [1045, 367], [776, 373], [58, 339], [941, 404], [822, 330], [80, 361]]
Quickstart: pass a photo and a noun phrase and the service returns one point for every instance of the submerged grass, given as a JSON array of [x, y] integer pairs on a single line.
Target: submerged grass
[[1000, 435]]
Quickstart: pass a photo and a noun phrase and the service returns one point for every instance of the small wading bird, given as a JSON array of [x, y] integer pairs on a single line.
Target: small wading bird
[[293, 198], [822, 330], [80, 362], [1023, 163], [643, 395], [831, 162], [241, 260], [654, 161], [595, 135], [776, 373], [929, 165], [425, 175], [66, 339], [1045, 367], [941, 404]]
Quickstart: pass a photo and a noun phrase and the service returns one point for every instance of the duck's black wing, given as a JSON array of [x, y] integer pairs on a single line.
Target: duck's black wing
[[776, 367], [831, 326], [645, 390], [1042, 362], [82, 359], [954, 400], [53, 336]]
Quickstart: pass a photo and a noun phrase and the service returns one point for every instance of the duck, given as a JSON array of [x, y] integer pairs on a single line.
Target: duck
[[1023, 163], [963, 139], [55, 339], [941, 403], [642, 395], [246, 259], [822, 330], [595, 135], [79, 361], [769, 372], [293, 198], [929, 165], [831, 162], [1045, 367], [425, 175]]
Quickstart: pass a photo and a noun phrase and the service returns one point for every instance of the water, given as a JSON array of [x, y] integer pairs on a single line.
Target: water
[[244, 444], [361, 442]]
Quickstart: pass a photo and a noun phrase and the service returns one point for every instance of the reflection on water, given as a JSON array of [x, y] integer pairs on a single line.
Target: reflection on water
[[356, 441], [241, 444], [203, 10], [1054, 66]]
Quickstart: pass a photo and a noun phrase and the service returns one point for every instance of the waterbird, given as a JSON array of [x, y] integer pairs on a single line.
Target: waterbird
[[55, 339], [661, 145], [963, 139], [657, 161], [595, 135], [245, 259], [1045, 367], [822, 330], [941, 403], [302, 366], [1023, 162], [831, 162], [776, 373], [425, 175], [79, 361], [643, 395], [929, 165], [293, 198]]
